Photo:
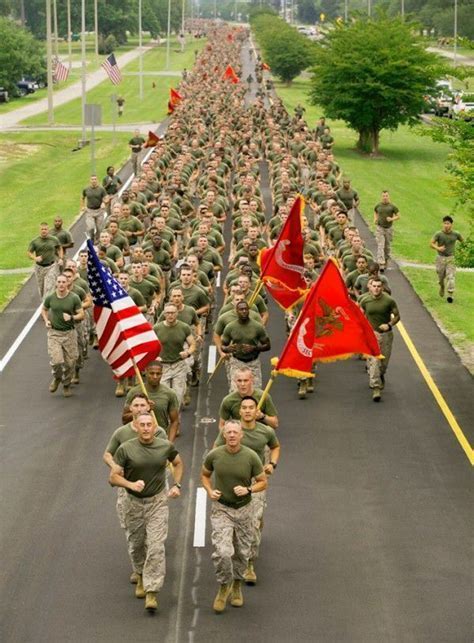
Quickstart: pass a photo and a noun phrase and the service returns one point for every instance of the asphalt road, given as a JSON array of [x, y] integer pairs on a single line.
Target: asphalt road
[[368, 531]]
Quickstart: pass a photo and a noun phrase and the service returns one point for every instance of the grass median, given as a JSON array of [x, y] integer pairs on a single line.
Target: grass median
[[156, 85], [41, 177], [412, 168]]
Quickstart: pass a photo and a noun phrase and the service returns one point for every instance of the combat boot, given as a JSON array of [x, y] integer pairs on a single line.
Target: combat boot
[[220, 600], [187, 396], [236, 597], [310, 385], [151, 602], [75, 377], [376, 395], [302, 389], [195, 376], [134, 578], [119, 389], [250, 577], [67, 391], [139, 589], [53, 386]]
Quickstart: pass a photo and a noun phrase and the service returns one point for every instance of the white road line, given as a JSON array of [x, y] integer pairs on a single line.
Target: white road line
[[18, 341], [218, 280], [211, 359], [200, 518]]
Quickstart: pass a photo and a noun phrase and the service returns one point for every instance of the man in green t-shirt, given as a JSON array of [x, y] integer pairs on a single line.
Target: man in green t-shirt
[[163, 400], [244, 339], [143, 462], [382, 312], [63, 236], [136, 144], [444, 242], [238, 473], [61, 309], [385, 213], [93, 201], [258, 437], [177, 345], [46, 251]]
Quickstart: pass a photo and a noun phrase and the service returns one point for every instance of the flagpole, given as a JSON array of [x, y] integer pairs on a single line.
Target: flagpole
[[49, 62], [267, 388], [216, 368], [255, 293], [140, 45], [83, 70], [55, 23], [69, 34], [168, 36]]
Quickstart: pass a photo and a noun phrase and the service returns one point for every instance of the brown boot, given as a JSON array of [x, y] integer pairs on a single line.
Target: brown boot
[[236, 597], [151, 602], [139, 589], [222, 595], [67, 391], [250, 577], [53, 385], [119, 389]]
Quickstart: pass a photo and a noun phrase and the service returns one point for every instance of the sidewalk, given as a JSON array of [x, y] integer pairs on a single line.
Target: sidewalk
[[463, 60], [13, 118]]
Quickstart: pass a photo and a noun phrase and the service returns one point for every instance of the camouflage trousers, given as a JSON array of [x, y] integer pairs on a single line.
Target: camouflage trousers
[[378, 367], [175, 376], [94, 222], [446, 269], [121, 498], [232, 536], [254, 366], [46, 278], [258, 504], [62, 351], [146, 529], [82, 343], [383, 237]]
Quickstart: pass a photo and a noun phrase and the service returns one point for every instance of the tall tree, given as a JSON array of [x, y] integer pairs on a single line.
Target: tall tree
[[373, 74], [20, 55]]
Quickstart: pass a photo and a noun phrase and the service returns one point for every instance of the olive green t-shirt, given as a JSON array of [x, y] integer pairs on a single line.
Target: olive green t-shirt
[[127, 432], [164, 398], [362, 282], [383, 211], [47, 248], [56, 306], [347, 196], [232, 470], [186, 315], [137, 297], [448, 240], [146, 462], [146, 288], [113, 252], [131, 224], [63, 236], [172, 340], [257, 439], [378, 310], [250, 332], [94, 196], [195, 297], [230, 316], [230, 405]]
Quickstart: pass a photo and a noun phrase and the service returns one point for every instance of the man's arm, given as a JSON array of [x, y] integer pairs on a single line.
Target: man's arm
[[44, 315], [274, 457], [174, 424], [214, 494], [260, 484], [177, 472], [117, 480]]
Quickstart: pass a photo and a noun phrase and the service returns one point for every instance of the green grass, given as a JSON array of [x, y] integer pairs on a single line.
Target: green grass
[[9, 286], [452, 317], [152, 108], [412, 169], [35, 186]]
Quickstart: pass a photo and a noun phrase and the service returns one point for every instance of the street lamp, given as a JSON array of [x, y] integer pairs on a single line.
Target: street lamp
[[83, 69]]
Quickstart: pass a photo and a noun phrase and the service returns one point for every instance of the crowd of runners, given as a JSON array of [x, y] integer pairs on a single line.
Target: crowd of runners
[[195, 216]]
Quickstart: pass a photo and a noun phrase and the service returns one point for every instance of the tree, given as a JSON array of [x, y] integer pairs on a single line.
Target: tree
[[288, 54], [373, 74], [20, 55], [307, 11]]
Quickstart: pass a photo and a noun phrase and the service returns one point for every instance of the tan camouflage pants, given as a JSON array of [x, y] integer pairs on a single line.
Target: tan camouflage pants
[[258, 504], [383, 237], [254, 366], [146, 528], [63, 353], [232, 535], [378, 367], [446, 269], [82, 343], [94, 222], [46, 278], [175, 376], [121, 498]]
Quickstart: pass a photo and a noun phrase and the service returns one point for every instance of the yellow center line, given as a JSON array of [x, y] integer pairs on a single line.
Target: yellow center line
[[437, 394]]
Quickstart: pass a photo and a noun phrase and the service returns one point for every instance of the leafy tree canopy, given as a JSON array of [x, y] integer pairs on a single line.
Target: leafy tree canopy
[[20, 55], [373, 74]]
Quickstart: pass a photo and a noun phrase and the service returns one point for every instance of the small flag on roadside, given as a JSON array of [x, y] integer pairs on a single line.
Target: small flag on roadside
[[60, 71], [125, 337], [152, 140], [112, 70], [230, 74], [265, 67], [174, 100]]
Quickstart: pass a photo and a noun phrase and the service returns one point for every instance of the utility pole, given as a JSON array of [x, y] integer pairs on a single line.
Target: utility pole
[[69, 34], [215, 9], [183, 11], [55, 18], [369, 8], [83, 69], [168, 36], [346, 10], [403, 9], [49, 56], [140, 46], [455, 51], [96, 30]]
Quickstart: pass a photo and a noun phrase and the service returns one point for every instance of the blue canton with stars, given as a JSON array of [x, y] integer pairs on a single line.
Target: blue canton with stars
[[104, 288]]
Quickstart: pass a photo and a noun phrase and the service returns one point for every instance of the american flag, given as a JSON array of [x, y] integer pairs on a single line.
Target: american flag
[[111, 67], [60, 71], [125, 337]]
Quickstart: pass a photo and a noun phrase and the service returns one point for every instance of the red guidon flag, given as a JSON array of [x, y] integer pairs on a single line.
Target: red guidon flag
[[230, 74], [330, 327], [174, 101], [152, 139], [265, 67], [282, 266], [125, 337]]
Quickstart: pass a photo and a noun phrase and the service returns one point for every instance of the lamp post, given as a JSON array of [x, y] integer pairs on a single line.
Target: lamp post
[[83, 69], [140, 45], [69, 34], [455, 50], [96, 30], [346, 10], [55, 22], [49, 55]]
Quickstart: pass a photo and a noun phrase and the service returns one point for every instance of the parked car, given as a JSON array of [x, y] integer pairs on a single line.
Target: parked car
[[25, 87], [443, 104], [4, 98]]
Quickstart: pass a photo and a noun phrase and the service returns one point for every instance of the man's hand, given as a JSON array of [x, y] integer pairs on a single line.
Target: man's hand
[[241, 491], [39, 258], [67, 317], [138, 486], [247, 348], [268, 468], [215, 494], [174, 492], [384, 327], [47, 323]]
